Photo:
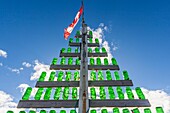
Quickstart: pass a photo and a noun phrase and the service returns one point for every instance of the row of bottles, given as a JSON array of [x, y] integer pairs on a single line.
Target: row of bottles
[[69, 50], [90, 40], [60, 76], [114, 110], [48, 91], [120, 93], [108, 75], [63, 61], [98, 61]]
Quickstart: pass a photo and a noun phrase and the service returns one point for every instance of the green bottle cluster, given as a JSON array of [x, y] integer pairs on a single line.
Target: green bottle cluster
[[116, 75], [68, 76], [108, 75], [73, 111], [39, 93], [136, 110], [116, 110], [91, 61], [97, 50], [93, 75], [91, 34], [47, 93], [78, 33], [147, 110], [103, 50], [70, 61], [52, 76], [120, 93], [62, 111], [69, 50], [76, 76], [114, 62], [98, 60], [104, 111], [63, 61], [139, 93], [43, 111], [57, 93], [93, 111], [66, 93], [42, 76], [77, 40], [111, 93], [31, 111], [77, 61], [100, 75], [93, 93], [71, 40], [74, 93], [97, 40], [90, 50], [126, 111], [129, 93], [63, 50], [76, 50], [54, 61], [159, 110], [102, 93], [27, 94], [106, 61], [90, 40], [60, 76], [22, 112], [125, 75], [52, 111]]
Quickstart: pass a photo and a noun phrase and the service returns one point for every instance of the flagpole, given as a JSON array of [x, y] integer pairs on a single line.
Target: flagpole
[[83, 20]]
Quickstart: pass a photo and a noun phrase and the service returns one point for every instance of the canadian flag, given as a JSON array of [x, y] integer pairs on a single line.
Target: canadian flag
[[70, 28]]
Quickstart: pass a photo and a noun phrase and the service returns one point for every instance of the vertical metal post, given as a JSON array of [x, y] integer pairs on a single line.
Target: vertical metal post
[[83, 92]]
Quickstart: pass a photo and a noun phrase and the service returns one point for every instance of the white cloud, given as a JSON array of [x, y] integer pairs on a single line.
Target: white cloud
[[39, 68], [1, 64], [7, 103], [26, 64], [3, 53], [15, 70]]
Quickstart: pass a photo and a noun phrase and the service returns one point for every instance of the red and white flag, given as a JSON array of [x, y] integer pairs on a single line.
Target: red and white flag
[[70, 28]]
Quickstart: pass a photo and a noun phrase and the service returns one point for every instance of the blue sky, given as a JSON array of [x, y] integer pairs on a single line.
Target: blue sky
[[33, 29]]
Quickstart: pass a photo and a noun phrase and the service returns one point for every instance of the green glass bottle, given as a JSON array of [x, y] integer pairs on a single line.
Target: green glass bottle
[[97, 50], [74, 93], [76, 75], [108, 75], [31, 111], [22, 112], [66, 93], [90, 50], [47, 93], [39, 93], [159, 110], [120, 93], [52, 111], [104, 111], [116, 110], [100, 75], [43, 111], [63, 111], [57, 93], [42, 76], [93, 75], [139, 93], [136, 110], [90, 40], [77, 40], [129, 93], [116, 74], [147, 110], [69, 50], [63, 50], [91, 34], [78, 33], [102, 93], [27, 94], [98, 61], [63, 61], [52, 76], [96, 40], [93, 93], [68, 76], [91, 61], [111, 93], [54, 62], [106, 61], [103, 50], [9, 111], [125, 75], [70, 61], [114, 62], [70, 40], [126, 111], [60, 76], [77, 61], [73, 111], [93, 111], [76, 50]]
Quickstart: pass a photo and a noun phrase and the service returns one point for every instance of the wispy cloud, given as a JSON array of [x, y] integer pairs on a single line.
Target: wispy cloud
[[15, 70], [3, 53], [1, 64], [26, 64]]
